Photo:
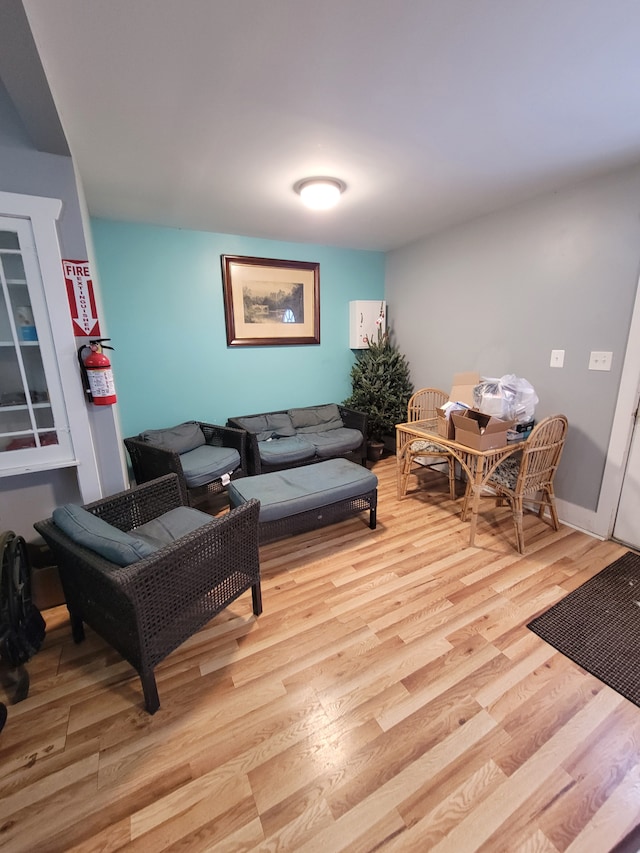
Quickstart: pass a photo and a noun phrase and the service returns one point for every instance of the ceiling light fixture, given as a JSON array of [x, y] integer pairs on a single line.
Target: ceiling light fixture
[[320, 193]]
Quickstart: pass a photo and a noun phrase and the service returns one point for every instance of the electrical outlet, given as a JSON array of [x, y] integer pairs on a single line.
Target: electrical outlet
[[557, 358], [600, 360]]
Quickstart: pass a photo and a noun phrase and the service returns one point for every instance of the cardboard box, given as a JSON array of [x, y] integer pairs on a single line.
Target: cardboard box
[[461, 392], [480, 431], [46, 589]]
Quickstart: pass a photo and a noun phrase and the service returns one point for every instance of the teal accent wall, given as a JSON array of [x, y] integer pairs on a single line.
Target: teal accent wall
[[161, 290]]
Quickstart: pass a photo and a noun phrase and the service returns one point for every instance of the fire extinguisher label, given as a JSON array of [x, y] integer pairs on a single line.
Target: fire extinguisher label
[[101, 383]]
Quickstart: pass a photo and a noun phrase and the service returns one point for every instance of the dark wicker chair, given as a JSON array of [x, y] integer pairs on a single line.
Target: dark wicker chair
[[150, 461], [147, 609]]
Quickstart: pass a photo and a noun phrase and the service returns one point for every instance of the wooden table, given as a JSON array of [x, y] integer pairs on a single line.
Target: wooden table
[[478, 465]]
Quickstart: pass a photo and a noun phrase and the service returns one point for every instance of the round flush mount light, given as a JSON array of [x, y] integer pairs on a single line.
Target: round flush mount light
[[320, 193]]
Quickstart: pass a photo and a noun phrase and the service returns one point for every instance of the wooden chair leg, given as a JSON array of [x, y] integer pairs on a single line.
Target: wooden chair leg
[[517, 520], [404, 468], [452, 478], [551, 498], [465, 503]]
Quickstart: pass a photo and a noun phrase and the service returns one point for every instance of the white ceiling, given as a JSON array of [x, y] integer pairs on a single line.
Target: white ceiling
[[202, 114]]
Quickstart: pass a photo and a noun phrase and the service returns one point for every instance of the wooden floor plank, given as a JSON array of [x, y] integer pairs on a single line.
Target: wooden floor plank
[[389, 698]]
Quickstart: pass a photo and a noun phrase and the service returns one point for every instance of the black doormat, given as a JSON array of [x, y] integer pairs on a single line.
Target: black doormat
[[598, 626]]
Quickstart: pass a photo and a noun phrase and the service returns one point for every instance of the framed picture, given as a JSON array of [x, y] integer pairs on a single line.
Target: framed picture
[[269, 302]]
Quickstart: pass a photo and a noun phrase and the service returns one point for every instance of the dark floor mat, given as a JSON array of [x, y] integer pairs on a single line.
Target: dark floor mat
[[598, 626]]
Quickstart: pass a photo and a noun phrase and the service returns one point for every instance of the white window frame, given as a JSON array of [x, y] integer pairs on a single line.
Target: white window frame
[[58, 347]]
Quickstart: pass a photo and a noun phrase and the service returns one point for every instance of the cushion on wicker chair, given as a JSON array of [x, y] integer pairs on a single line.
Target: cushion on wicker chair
[[172, 525], [426, 447], [98, 535], [204, 464], [506, 473], [180, 439]]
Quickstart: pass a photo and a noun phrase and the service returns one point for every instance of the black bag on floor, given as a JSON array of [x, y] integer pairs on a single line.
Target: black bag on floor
[[22, 627]]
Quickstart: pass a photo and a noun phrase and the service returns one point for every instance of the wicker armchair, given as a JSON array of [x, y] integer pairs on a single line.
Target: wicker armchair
[[528, 476], [150, 461], [422, 407], [147, 609]]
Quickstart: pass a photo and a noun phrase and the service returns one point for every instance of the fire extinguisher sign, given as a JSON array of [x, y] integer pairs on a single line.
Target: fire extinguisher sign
[[82, 302]]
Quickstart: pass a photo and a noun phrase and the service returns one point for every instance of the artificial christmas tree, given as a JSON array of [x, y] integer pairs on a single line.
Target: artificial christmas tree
[[381, 386]]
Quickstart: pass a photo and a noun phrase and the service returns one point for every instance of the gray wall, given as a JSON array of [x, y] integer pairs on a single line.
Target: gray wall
[[499, 293], [23, 169]]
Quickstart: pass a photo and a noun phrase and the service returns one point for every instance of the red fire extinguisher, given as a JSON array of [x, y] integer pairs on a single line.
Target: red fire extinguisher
[[96, 370]]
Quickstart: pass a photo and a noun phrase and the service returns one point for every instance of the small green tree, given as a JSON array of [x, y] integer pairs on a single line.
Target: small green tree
[[381, 386]]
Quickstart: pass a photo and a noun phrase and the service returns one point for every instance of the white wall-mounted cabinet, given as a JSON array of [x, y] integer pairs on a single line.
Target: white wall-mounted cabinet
[[367, 319], [43, 418]]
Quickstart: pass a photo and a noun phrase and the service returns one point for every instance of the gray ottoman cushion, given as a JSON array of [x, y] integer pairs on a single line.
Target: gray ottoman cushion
[[207, 463], [285, 493], [282, 451]]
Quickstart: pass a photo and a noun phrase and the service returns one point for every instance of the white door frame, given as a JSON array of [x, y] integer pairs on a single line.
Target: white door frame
[[43, 214], [622, 428]]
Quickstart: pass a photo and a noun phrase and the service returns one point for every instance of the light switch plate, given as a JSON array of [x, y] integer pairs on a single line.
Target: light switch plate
[[557, 358], [600, 360]]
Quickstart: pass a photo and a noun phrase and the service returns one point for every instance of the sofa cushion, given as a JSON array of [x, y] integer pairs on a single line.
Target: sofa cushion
[[180, 439], [270, 425], [334, 441], [208, 463], [172, 525], [316, 418], [280, 451], [98, 535]]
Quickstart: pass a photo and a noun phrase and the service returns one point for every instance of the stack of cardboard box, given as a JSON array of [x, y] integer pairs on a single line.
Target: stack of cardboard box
[[470, 426]]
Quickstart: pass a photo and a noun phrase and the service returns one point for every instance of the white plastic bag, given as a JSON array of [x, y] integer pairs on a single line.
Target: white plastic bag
[[510, 398]]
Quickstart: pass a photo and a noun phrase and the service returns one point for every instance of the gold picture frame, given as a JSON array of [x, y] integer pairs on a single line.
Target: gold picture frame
[[270, 302]]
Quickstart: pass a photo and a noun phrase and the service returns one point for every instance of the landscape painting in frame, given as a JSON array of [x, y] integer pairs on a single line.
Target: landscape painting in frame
[[270, 302]]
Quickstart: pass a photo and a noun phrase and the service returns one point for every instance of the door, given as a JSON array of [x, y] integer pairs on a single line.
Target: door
[[627, 524]]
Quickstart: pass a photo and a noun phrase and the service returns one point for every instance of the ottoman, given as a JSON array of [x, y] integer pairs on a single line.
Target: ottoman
[[311, 496]]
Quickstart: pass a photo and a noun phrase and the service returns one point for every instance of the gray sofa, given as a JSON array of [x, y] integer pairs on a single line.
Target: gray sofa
[[288, 438]]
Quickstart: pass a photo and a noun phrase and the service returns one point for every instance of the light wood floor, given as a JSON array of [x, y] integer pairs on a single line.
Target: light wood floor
[[389, 698]]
